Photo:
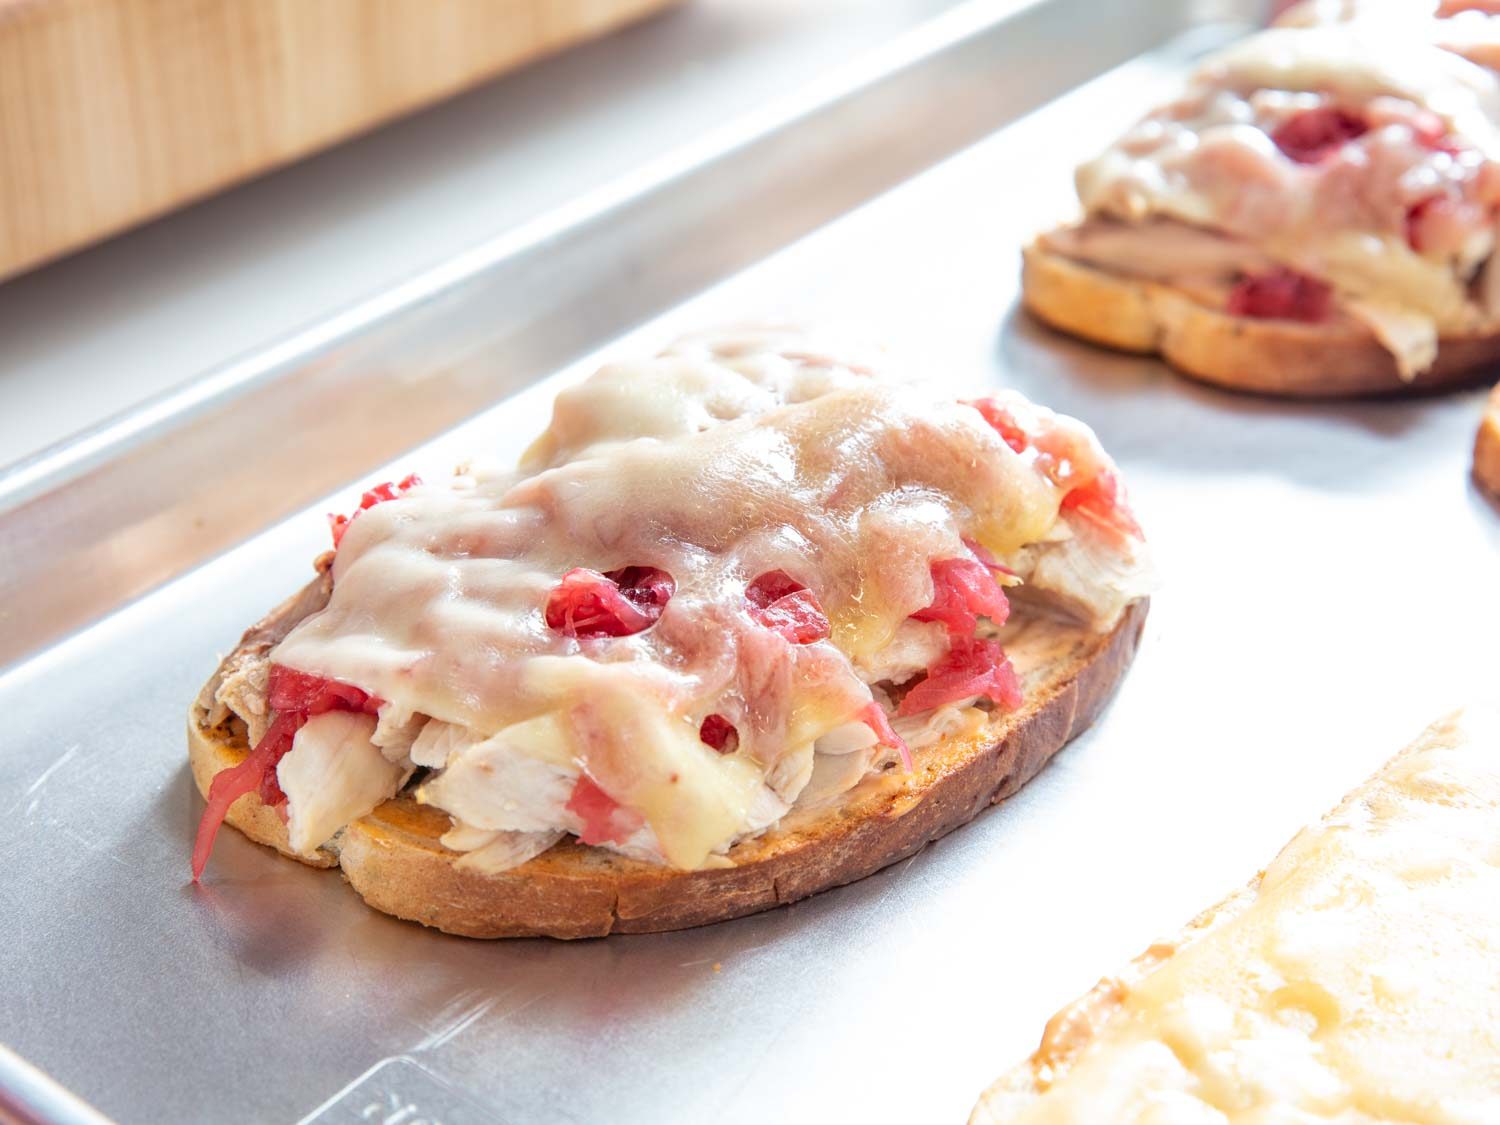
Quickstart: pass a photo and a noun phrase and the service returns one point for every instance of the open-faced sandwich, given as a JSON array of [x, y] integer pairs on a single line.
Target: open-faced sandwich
[[1315, 215], [1354, 980], [748, 622], [1487, 447]]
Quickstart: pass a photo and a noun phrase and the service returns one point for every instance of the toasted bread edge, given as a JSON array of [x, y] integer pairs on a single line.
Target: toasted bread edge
[[1280, 358], [393, 859]]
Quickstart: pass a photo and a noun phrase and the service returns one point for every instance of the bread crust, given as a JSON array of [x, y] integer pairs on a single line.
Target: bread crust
[[1070, 1032], [393, 859], [1281, 358], [1487, 447]]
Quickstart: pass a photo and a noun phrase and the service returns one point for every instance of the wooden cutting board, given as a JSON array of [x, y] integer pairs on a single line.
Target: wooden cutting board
[[114, 111]]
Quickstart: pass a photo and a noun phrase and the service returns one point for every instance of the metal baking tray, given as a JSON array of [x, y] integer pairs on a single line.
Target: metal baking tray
[[1329, 581]]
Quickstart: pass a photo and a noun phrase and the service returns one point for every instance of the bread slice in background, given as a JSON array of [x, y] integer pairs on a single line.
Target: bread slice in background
[[1286, 358], [1357, 978], [1487, 447]]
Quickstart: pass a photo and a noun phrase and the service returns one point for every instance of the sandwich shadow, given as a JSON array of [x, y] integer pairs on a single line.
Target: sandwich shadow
[[632, 994], [1146, 412]]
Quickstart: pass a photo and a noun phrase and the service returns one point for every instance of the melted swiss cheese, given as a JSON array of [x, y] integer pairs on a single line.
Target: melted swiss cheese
[[718, 462], [1360, 982]]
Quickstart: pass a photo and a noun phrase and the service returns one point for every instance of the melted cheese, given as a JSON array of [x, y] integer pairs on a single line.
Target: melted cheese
[[1208, 160], [720, 461], [1357, 983], [1359, 64], [1472, 33], [1409, 336]]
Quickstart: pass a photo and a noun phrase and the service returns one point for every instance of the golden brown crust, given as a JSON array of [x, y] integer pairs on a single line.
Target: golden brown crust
[[1487, 447], [1269, 357], [394, 860], [1071, 1031]]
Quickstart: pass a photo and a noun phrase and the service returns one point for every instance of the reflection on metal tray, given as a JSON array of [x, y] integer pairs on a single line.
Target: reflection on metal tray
[[1289, 653]]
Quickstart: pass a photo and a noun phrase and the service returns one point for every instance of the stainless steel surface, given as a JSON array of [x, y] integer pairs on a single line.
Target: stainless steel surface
[[1297, 641], [29, 1097], [177, 481]]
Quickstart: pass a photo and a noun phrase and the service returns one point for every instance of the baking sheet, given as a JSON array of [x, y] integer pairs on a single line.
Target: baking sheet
[[1329, 585]]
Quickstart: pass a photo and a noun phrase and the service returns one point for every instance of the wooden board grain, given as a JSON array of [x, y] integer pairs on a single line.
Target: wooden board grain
[[114, 111]]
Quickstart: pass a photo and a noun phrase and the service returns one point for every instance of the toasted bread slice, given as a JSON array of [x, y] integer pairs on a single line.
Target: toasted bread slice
[[1487, 447], [1352, 979], [1270, 357], [393, 857]]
